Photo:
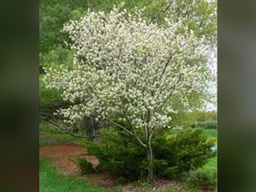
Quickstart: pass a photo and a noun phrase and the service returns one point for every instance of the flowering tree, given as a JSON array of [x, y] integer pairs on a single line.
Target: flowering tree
[[128, 68]]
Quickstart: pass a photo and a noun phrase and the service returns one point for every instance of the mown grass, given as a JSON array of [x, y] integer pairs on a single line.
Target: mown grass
[[51, 181], [211, 164], [210, 132]]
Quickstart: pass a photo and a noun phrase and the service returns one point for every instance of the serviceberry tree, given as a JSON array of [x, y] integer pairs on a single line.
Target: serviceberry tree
[[127, 67]]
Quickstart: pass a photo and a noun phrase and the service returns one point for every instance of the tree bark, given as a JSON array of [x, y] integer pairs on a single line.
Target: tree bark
[[150, 159]]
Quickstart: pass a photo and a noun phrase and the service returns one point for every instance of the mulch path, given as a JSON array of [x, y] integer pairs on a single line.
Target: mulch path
[[62, 156]]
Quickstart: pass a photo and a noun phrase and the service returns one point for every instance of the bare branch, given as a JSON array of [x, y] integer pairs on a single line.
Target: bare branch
[[175, 106], [131, 133], [120, 126], [66, 131]]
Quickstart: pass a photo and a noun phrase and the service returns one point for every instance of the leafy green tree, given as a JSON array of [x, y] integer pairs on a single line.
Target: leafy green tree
[[53, 14]]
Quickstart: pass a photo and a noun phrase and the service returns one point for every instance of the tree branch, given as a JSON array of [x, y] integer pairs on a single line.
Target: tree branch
[[175, 106], [120, 126], [68, 131]]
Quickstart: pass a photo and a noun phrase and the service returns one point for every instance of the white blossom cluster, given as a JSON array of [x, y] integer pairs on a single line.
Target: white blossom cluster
[[128, 68]]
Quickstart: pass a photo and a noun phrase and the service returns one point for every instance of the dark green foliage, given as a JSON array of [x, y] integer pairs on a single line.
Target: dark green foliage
[[183, 150], [47, 96], [53, 15], [119, 154], [85, 166], [205, 179], [205, 124], [208, 124], [175, 152]]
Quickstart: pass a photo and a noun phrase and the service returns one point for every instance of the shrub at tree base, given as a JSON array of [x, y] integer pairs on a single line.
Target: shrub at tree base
[[175, 153], [84, 166], [119, 154], [202, 178], [182, 150]]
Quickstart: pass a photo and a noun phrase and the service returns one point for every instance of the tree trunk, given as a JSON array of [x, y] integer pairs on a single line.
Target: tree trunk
[[150, 161], [90, 126]]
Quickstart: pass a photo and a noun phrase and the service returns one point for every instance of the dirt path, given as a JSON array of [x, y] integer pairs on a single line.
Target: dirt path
[[62, 157]]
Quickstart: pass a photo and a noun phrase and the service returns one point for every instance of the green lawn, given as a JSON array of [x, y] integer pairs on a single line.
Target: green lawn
[[210, 132], [211, 164], [51, 181]]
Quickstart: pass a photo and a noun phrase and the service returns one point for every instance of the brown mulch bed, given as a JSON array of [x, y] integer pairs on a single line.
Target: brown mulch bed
[[62, 157]]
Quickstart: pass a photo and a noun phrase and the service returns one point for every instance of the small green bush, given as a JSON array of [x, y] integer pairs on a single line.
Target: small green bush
[[119, 154], [175, 152], [85, 166], [205, 179], [182, 150]]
